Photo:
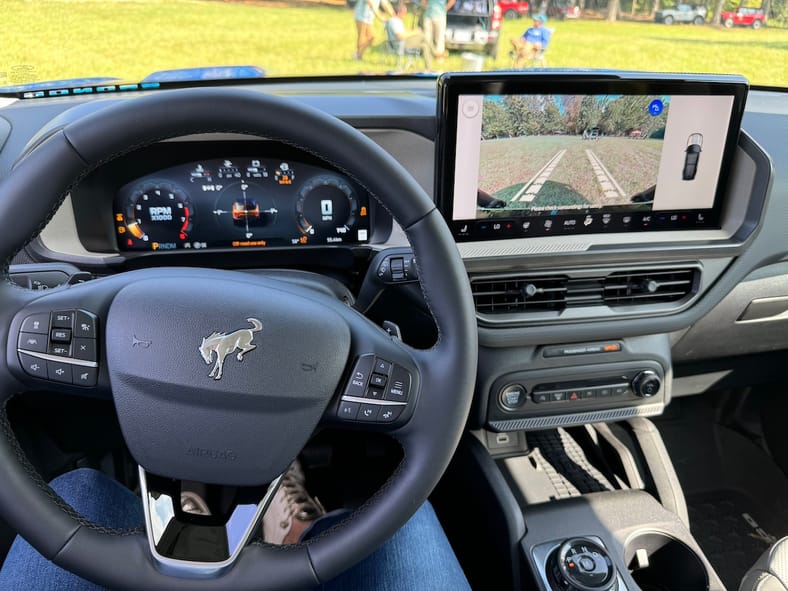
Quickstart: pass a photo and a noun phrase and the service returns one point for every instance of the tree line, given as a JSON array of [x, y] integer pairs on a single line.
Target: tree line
[[775, 10], [518, 115]]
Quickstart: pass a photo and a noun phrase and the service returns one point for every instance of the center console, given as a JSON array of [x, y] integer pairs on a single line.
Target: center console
[[597, 214]]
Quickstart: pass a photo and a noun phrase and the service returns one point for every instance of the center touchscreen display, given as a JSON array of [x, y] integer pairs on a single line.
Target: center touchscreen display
[[618, 158]]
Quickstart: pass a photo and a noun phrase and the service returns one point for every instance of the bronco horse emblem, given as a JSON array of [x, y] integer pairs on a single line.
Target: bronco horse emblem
[[224, 344]]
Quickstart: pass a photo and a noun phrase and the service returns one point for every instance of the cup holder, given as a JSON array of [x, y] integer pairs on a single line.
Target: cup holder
[[659, 562]]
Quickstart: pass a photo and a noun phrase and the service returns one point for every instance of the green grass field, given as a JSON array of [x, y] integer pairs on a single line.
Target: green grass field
[[50, 39]]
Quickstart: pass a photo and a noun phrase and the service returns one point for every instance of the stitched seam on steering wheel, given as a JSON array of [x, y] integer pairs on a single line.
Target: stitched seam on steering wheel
[[22, 458], [365, 506]]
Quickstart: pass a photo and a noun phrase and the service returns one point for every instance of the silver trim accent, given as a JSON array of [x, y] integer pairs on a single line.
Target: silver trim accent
[[188, 569], [373, 401], [580, 418], [48, 357]]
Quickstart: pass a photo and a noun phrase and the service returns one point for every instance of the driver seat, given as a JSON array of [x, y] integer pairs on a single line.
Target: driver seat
[[770, 572]]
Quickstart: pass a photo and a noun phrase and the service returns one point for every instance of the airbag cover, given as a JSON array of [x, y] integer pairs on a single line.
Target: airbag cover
[[221, 380]]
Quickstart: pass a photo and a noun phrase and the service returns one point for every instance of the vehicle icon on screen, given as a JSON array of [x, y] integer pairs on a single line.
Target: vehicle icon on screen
[[246, 210], [694, 143]]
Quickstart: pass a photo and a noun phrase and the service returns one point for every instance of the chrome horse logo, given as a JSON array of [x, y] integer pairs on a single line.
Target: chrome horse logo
[[224, 344]]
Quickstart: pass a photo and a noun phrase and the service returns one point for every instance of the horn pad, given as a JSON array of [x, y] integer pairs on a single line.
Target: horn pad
[[221, 380]]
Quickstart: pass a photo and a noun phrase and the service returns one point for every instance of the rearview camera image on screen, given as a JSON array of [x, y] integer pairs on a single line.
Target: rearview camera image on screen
[[542, 153]]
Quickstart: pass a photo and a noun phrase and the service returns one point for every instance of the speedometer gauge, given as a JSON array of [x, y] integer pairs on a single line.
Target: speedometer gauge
[[326, 205], [157, 214]]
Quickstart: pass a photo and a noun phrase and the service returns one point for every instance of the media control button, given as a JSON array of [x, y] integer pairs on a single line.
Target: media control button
[[59, 371], [382, 366], [33, 366]]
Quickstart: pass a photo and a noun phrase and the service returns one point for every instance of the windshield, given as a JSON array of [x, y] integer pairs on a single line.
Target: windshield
[[46, 40]]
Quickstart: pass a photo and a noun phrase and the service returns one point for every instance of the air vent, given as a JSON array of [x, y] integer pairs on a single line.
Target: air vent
[[628, 288], [517, 294]]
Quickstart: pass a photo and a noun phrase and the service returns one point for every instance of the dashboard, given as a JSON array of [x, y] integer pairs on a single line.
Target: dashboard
[[234, 201]]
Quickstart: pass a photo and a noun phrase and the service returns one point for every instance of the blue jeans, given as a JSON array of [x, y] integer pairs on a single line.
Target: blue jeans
[[418, 556]]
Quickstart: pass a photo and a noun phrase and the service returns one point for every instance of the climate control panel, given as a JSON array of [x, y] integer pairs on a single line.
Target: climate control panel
[[563, 396]]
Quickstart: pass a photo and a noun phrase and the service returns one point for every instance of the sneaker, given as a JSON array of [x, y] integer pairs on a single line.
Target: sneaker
[[292, 509], [192, 502]]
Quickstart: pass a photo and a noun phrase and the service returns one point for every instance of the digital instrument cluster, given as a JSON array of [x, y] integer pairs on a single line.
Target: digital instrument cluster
[[240, 202]]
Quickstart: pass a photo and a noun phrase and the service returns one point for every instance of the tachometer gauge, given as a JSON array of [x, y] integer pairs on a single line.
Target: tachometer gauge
[[156, 214], [326, 206]]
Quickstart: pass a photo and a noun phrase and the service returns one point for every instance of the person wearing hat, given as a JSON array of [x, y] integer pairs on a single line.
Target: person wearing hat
[[531, 42]]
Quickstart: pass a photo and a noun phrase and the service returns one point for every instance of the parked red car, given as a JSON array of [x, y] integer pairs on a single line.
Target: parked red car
[[513, 8], [744, 17]]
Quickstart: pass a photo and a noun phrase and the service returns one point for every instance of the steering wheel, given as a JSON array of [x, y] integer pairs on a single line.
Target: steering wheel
[[305, 358]]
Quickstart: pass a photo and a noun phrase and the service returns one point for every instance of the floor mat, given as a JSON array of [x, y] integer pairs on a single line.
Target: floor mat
[[732, 530], [735, 492]]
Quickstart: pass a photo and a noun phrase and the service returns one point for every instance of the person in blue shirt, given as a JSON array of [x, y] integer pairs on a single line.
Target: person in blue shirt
[[534, 40]]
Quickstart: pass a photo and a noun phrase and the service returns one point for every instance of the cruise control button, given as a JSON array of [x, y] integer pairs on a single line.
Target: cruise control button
[[59, 371], [378, 380], [37, 323], [33, 342], [368, 412], [33, 366], [398, 388], [85, 376], [85, 349], [389, 414], [85, 325], [348, 410], [60, 350], [357, 384], [60, 335], [63, 319]]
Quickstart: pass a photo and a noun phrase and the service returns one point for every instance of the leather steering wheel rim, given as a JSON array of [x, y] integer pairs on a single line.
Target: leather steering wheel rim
[[448, 369]]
